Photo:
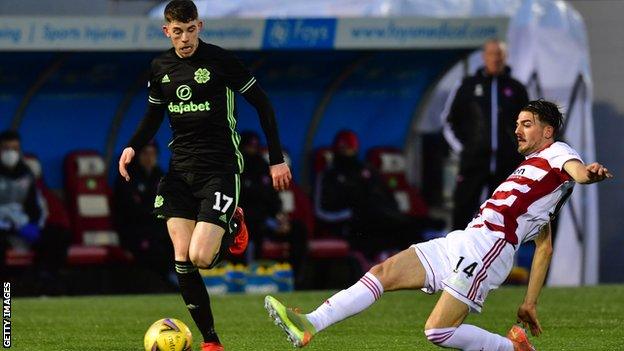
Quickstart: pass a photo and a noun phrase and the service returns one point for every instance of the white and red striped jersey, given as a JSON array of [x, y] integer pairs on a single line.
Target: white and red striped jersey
[[527, 199]]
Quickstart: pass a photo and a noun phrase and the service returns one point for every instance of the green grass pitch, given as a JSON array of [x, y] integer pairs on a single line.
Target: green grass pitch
[[589, 318]]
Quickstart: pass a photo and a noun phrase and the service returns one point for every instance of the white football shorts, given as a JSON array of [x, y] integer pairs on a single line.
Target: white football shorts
[[467, 264]]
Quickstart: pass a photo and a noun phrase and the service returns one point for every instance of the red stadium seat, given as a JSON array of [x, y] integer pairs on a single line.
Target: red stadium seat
[[323, 158], [391, 165], [16, 257], [88, 198], [297, 204], [77, 255], [86, 255], [55, 208], [325, 243]]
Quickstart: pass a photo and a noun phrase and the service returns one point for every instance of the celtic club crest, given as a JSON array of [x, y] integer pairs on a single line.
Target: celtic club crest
[[202, 75]]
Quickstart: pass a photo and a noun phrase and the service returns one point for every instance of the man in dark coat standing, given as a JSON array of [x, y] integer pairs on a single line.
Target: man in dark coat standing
[[480, 124]]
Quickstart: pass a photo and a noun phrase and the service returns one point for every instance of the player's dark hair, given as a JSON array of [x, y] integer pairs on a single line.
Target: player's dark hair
[[547, 112], [183, 11], [9, 135]]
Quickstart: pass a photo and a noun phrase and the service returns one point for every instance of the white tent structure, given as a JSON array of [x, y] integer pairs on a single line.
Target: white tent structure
[[548, 51]]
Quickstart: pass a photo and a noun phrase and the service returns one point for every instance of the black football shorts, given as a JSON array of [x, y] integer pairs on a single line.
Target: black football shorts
[[210, 197]]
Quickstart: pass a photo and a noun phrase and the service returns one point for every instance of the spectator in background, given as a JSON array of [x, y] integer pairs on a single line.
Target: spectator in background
[[22, 215], [141, 232], [55, 236], [480, 124], [353, 201], [263, 208]]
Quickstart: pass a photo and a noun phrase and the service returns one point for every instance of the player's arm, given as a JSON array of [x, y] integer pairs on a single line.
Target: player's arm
[[238, 77], [527, 313], [280, 173], [144, 133], [586, 174], [151, 121]]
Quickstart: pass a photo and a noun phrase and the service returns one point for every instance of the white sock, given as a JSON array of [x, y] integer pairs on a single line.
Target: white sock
[[469, 338], [347, 302]]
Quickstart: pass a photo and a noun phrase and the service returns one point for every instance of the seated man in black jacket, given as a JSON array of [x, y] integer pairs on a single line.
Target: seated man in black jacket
[[140, 231], [353, 199]]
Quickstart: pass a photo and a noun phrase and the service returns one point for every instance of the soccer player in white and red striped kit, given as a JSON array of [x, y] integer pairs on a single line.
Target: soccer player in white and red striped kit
[[468, 263]]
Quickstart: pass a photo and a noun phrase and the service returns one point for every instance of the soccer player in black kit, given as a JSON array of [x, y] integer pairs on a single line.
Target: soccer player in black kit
[[195, 82]]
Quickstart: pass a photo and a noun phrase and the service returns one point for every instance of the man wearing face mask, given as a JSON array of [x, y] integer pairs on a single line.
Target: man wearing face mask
[[21, 215]]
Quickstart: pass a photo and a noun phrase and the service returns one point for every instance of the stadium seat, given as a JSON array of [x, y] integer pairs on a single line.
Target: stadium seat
[[297, 204], [54, 207], [88, 198], [292, 205], [391, 165], [322, 159], [325, 244], [18, 258]]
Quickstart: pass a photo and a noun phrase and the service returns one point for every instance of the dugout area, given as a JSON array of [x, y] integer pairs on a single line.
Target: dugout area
[[377, 76], [92, 101], [63, 102]]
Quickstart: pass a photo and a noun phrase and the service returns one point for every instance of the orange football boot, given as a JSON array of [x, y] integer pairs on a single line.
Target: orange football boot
[[241, 236], [211, 346], [519, 339]]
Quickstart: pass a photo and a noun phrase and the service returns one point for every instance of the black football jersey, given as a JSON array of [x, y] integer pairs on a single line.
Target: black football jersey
[[198, 94]]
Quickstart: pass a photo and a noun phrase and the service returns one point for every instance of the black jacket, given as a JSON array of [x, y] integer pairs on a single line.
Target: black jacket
[[470, 121], [258, 198], [349, 190]]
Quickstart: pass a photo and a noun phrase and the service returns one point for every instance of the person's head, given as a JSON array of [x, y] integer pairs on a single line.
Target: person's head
[[10, 148], [250, 143], [182, 26], [346, 143], [538, 124], [148, 156], [494, 56]]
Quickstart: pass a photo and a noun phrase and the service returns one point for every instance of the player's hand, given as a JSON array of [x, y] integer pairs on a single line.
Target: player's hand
[[126, 156], [597, 172], [280, 173], [527, 315]]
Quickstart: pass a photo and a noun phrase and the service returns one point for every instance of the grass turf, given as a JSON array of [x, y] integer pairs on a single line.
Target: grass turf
[[588, 318]]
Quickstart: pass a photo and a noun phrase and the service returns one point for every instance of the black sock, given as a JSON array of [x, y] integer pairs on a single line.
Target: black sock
[[196, 299]]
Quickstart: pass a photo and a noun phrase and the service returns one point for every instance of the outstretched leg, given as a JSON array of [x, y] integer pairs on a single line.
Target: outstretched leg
[[401, 271]]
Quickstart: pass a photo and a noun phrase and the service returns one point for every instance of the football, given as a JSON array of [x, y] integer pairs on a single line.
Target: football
[[168, 334]]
